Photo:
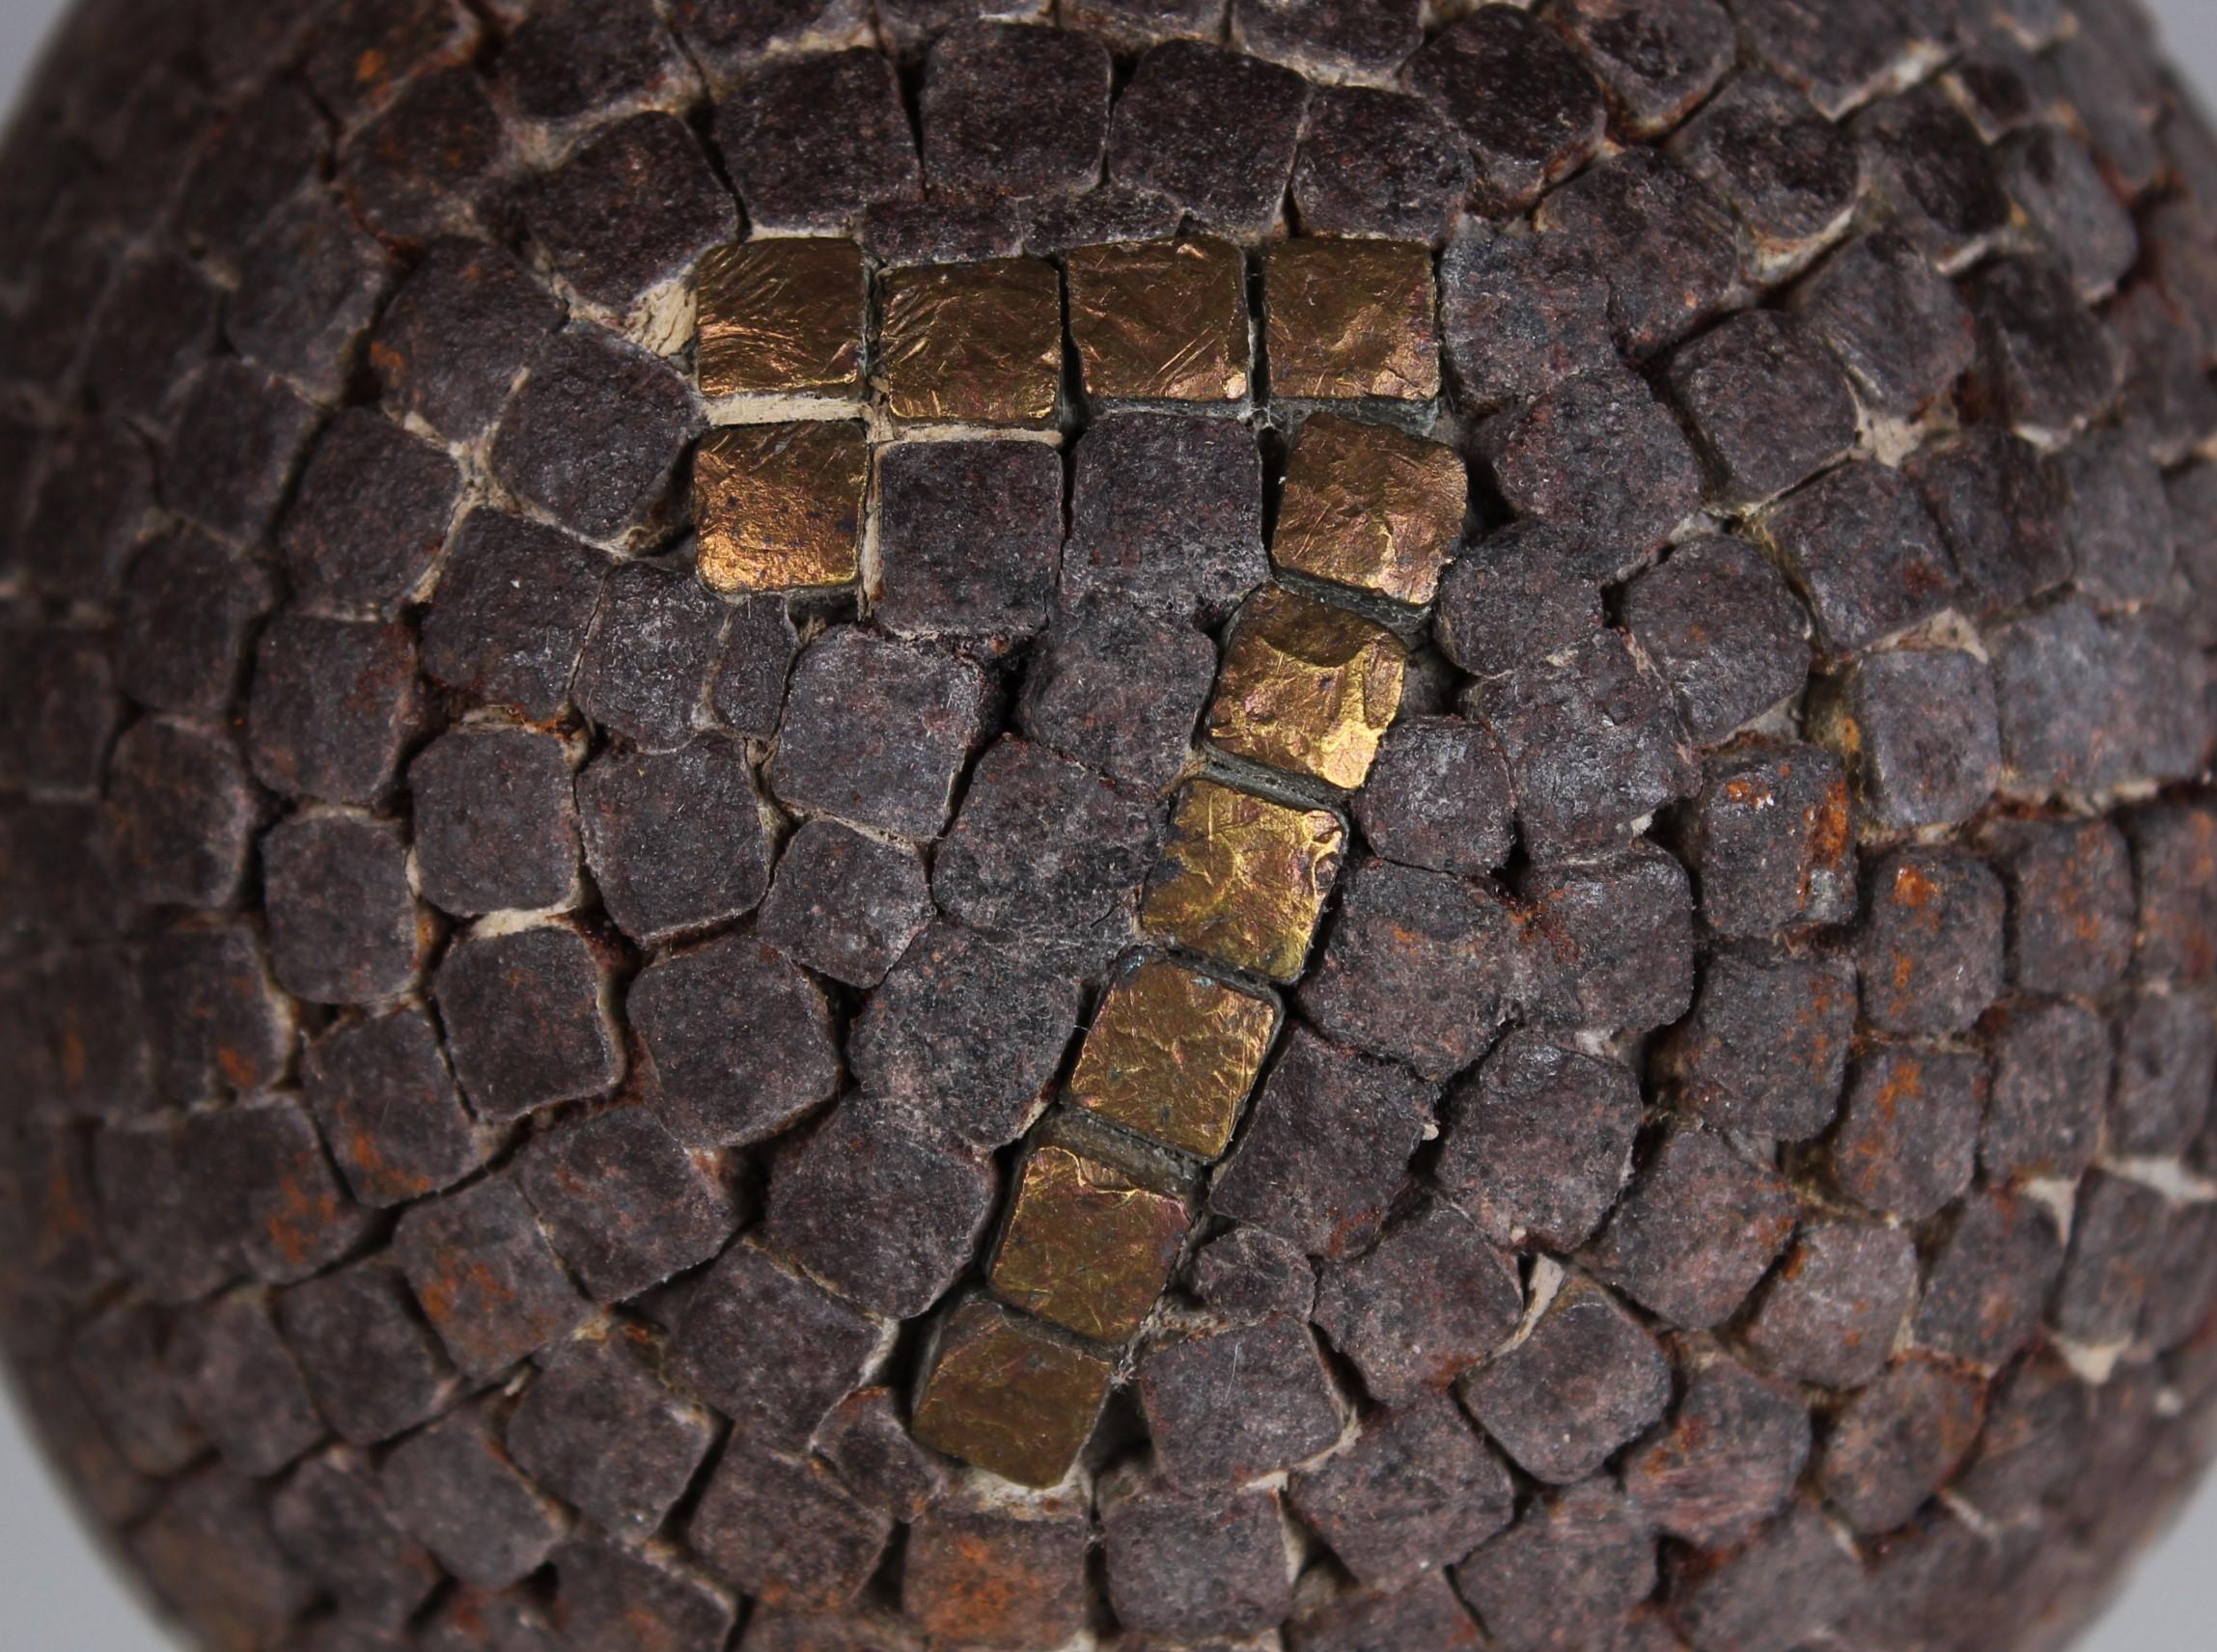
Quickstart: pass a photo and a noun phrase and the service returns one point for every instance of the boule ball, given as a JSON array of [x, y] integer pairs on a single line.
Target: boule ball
[[1307, 825]]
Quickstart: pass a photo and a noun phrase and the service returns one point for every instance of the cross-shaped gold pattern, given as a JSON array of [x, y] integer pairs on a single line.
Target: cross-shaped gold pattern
[[807, 393]]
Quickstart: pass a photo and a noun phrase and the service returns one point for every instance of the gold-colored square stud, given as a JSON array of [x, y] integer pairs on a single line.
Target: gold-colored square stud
[[1171, 1056], [779, 507], [1243, 880], [780, 318], [1160, 320], [1371, 507], [1090, 1241], [1307, 687], [974, 344], [1351, 319], [1009, 1394]]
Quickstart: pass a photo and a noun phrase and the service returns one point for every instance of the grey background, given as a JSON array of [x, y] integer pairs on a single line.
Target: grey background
[[59, 1594]]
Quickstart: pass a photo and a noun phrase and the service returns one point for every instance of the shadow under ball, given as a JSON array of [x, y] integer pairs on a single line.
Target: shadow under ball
[[1156, 824]]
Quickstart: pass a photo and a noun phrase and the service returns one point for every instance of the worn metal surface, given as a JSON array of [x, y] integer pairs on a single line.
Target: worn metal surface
[[779, 507], [972, 344], [1172, 1055], [1243, 880], [1159, 322], [1371, 507], [1011, 1396], [1306, 687], [780, 317]]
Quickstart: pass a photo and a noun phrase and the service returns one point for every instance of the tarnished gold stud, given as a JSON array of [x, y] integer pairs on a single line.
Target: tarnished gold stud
[[1171, 1056], [1090, 1237], [1009, 1394], [1307, 687], [1243, 880], [780, 318], [779, 507], [1349, 320], [977, 344], [1160, 320], [1371, 507]]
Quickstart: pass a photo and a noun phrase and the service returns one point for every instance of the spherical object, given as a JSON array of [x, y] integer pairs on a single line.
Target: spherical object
[[1230, 824]]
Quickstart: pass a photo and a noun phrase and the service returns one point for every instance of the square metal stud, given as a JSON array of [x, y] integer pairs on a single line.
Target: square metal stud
[[1307, 687], [1009, 1394], [1171, 1056], [782, 318], [1371, 507], [1160, 320], [977, 344], [1351, 319], [1243, 880], [1091, 1235], [779, 507]]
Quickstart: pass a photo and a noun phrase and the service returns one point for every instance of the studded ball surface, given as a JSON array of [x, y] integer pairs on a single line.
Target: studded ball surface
[[1304, 825]]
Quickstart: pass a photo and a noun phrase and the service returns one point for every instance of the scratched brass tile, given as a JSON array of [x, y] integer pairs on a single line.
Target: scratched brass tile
[[1160, 320], [1371, 507], [1307, 687], [1087, 1245], [1009, 1394], [977, 344], [782, 318], [1171, 1056], [1350, 319], [779, 507], [1243, 880]]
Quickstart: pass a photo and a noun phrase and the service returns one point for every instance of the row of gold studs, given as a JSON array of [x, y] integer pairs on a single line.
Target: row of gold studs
[[1097, 1221], [981, 344]]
